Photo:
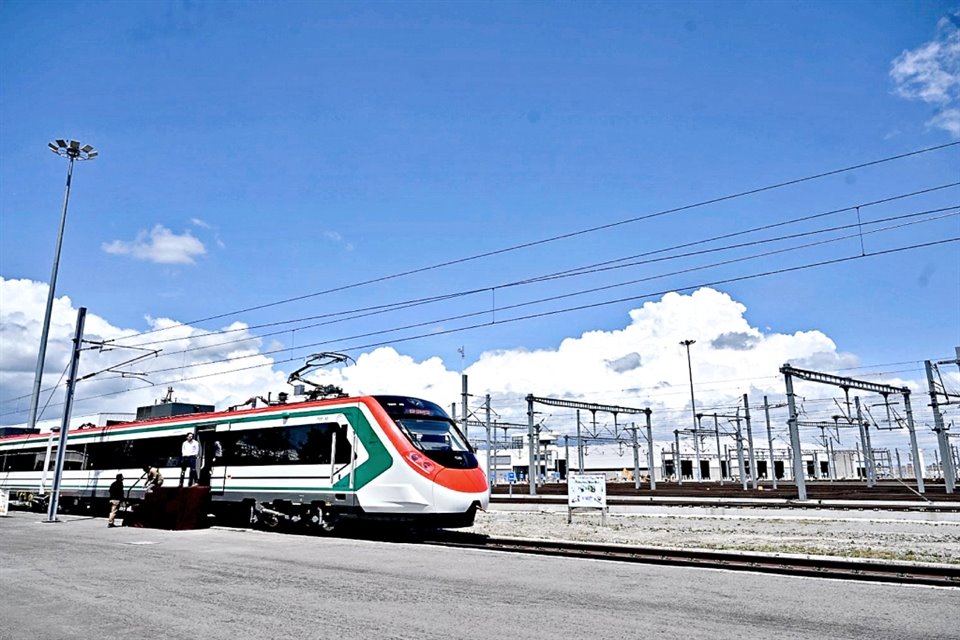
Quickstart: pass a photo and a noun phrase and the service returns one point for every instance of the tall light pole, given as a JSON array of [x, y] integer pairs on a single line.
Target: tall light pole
[[693, 410], [72, 151]]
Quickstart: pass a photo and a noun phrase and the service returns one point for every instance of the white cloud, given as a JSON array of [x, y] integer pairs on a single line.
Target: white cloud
[[948, 120], [21, 316], [931, 73], [160, 245], [641, 364], [203, 224], [336, 238]]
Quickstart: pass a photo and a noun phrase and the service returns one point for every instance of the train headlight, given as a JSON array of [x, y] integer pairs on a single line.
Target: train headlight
[[422, 462]]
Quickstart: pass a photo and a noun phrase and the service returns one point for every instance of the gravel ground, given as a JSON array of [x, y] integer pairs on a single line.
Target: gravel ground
[[903, 540]]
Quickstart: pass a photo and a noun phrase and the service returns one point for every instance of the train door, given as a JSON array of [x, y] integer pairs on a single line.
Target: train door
[[213, 470]]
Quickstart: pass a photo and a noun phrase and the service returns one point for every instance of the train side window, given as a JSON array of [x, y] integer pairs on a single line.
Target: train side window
[[75, 458], [133, 454], [301, 444], [22, 461]]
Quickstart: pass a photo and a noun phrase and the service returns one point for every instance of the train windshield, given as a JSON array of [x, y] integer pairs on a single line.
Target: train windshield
[[433, 435], [427, 426]]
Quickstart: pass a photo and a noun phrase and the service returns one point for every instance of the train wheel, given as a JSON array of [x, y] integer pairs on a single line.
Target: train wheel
[[322, 521], [261, 518]]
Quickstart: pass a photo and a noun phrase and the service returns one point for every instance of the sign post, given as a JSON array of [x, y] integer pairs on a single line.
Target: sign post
[[587, 491]]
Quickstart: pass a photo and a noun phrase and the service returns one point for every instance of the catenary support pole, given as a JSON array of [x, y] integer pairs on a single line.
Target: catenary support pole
[[753, 459], [676, 457], [771, 466], [579, 445], [67, 409], [463, 405], [489, 452], [832, 467], [946, 460], [868, 447], [720, 460], [46, 460], [693, 411], [740, 464], [798, 475], [914, 450], [653, 471], [531, 470], [636, 456]]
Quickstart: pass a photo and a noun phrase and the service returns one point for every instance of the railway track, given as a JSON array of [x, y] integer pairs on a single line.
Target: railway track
[[759, 503], [794, 565]]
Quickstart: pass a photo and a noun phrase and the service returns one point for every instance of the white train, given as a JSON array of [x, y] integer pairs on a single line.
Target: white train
[[322, 462]]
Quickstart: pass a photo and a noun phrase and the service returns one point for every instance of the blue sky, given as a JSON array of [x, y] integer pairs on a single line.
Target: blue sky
[[281, 149]]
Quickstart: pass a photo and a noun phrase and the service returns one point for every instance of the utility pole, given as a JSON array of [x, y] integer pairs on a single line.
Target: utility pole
[[67, 409]]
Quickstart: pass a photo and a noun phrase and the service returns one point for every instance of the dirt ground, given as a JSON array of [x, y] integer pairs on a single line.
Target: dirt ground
[[887, 539]]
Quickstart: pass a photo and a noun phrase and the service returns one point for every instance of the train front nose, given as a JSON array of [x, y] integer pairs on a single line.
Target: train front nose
[[460, 488]]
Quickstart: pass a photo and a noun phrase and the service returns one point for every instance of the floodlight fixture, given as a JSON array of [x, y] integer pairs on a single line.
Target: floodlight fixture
[[72, 149]]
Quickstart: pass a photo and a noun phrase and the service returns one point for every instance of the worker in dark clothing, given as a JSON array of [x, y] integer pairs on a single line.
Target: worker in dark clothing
[[116, 497]]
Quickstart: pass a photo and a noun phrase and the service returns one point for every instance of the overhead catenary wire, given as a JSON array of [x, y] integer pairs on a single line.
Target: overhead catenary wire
[[368, 311], [563, 236], [583, 291], [528, 303], [385, 308], [394, 306], [544, 314]]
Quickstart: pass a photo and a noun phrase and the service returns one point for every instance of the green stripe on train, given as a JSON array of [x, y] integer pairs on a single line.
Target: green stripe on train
[[379, 458]]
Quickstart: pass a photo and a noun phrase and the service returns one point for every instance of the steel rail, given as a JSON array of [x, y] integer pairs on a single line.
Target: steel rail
[[939, 575]]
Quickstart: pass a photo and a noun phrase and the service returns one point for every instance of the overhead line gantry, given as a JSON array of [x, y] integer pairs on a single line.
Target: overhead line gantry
[[593, 408]]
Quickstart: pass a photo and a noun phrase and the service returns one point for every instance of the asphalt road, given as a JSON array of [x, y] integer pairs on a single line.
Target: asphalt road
[[79, 579]]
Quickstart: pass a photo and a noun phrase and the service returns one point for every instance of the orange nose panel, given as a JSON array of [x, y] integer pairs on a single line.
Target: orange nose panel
[[465, 480]]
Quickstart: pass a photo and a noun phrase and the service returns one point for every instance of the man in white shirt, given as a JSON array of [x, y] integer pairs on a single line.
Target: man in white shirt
[[188, 458]]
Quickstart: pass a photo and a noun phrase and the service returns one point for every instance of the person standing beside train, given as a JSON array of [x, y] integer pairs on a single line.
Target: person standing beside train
[[189, 451], [116, 497]]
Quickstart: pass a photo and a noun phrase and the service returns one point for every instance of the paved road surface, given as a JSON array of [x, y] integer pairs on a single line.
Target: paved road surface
[[79, 579]]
